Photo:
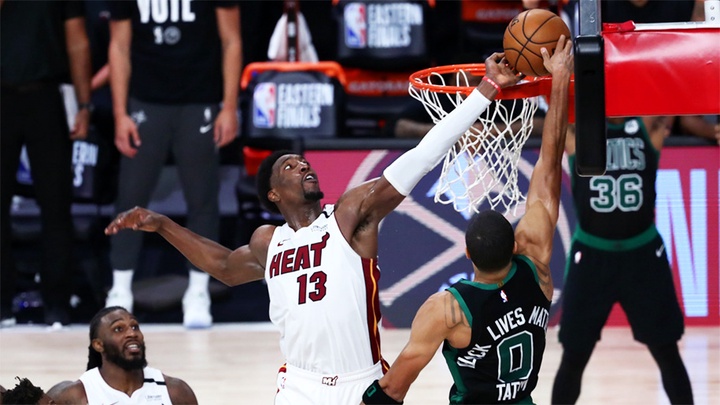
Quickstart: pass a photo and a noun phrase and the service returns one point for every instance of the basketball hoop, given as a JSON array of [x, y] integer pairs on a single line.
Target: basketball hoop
[[483, 165]]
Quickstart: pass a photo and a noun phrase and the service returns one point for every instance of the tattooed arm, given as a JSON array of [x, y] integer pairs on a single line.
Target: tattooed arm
[[439, 318]]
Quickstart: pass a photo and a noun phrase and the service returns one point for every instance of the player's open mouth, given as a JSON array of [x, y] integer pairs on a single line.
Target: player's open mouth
[[133, 347]]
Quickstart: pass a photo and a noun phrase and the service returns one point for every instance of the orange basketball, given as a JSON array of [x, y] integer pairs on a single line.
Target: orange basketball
[[526, 34]]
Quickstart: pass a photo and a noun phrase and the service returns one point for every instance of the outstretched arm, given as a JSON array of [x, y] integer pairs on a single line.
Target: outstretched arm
[[435, 321], [534, 232], [238, 266], [697, 126], [371, 202], [408, 169], [658, 128]]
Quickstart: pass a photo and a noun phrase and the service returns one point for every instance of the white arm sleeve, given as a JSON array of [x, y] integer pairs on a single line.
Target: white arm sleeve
[[407, 170]]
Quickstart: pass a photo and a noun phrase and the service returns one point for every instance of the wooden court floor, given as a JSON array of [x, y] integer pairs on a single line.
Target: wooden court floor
[[237, 363]]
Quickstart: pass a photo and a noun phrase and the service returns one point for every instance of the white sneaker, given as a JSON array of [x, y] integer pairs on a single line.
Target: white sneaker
[[56, 326], [196, 310], [8, 322], [120, 297]]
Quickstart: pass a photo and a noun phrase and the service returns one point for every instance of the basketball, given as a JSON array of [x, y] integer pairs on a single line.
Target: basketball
[[526, 34]]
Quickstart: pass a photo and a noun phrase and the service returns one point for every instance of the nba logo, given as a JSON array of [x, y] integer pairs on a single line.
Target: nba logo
[[264, 105], [355, 25], [503, 296]]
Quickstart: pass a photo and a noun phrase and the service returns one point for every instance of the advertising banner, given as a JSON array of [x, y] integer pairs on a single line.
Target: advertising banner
[[422, 250]]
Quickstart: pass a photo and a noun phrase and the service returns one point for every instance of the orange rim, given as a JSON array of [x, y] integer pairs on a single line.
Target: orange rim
[[530, 87], [329, 68]]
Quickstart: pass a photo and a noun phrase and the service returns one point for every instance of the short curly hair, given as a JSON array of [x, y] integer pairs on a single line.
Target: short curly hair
[[490, 240], [23, 393], [263, 179]]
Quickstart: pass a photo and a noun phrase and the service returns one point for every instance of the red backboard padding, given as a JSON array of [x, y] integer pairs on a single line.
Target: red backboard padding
[[662, 72]]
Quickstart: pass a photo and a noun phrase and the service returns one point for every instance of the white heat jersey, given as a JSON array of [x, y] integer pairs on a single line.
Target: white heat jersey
[[153, 391], [323, 298]]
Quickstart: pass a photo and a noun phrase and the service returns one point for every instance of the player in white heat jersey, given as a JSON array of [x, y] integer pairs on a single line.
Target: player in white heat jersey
[[320, 266], [117, 372], [324, 299], [323, 295]]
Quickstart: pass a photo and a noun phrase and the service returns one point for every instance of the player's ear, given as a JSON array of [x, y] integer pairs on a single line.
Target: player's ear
[[515, 247], [273, 196], [97, 345], [467, 253]]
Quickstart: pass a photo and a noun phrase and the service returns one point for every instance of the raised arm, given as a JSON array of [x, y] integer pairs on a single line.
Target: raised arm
[[697, 126], [372, 201], [232, 267], [658, 128], [534, 232]]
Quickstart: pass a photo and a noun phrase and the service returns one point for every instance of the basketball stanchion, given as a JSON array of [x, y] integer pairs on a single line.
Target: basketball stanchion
[[590, 142]]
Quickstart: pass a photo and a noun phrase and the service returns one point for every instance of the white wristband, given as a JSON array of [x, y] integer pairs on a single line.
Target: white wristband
[[407, 170]]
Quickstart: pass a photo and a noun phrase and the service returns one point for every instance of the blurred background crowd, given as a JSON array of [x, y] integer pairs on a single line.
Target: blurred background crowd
[[200, 65]]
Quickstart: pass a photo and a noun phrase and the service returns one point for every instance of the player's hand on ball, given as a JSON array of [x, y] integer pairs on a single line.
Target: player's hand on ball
[[562, 60], [498, 70]]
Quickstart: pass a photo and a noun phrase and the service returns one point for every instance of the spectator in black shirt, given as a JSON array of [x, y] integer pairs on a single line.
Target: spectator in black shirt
[[43, 44], [170, 70]]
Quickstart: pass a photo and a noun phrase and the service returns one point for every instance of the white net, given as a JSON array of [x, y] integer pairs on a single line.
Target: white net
[[483, 165]]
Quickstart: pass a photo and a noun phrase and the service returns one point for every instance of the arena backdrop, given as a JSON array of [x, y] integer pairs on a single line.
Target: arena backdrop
[[422, 242]]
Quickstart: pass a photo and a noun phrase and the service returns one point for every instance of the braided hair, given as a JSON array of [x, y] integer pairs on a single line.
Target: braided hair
[[94, 357]]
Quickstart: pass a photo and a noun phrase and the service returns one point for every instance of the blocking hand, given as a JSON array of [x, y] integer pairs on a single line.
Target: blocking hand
[[498, 70], [137, 219]]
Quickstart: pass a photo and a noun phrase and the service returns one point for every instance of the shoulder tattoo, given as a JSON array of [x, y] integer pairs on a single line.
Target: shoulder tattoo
[[453, 314]]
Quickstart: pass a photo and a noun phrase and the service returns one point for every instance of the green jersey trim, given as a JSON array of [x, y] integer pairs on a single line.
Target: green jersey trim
[[616, 245], [494, 286], [462, 304]]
